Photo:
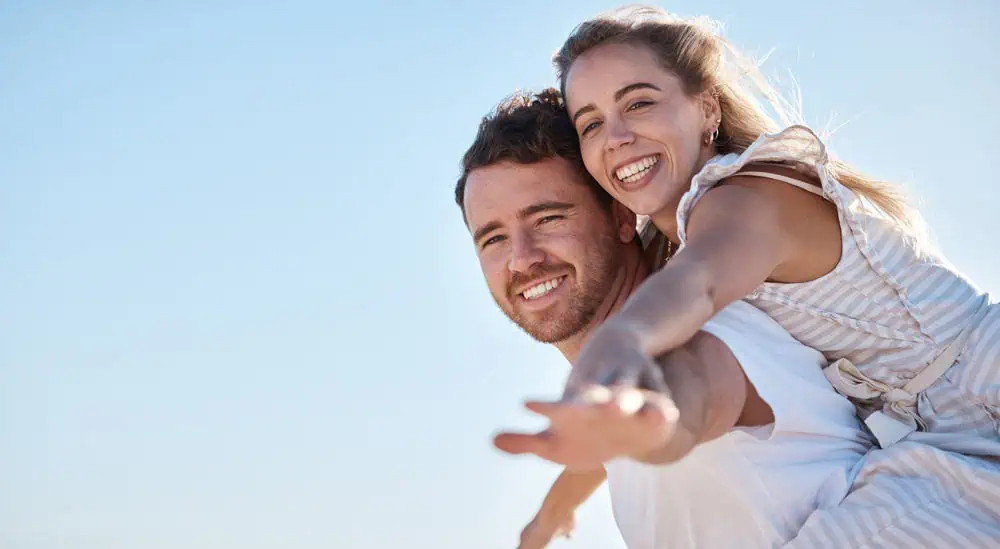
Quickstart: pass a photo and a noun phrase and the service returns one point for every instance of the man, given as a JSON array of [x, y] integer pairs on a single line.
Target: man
[[730, 441]]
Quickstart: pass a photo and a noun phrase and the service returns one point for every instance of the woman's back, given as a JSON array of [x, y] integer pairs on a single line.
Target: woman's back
[[890, 306]]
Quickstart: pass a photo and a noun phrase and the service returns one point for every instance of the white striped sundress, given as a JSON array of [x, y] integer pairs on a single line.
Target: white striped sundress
[[882, 316]]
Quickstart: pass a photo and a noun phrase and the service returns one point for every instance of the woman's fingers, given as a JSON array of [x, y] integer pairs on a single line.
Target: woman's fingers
[[524, 443]]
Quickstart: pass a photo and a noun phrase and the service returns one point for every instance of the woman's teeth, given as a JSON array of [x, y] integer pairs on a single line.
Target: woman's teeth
[[633, 172]]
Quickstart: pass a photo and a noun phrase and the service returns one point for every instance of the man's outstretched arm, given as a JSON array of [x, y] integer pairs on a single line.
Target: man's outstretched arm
[[557, 513], [712, 395]]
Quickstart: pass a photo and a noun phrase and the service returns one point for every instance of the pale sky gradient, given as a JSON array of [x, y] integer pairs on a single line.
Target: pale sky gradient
[[238, 308]]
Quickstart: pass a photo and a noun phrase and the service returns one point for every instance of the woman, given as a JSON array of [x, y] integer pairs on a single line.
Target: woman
[[669, 126]]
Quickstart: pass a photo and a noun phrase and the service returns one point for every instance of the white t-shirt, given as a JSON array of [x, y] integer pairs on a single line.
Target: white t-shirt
[[751, 488]]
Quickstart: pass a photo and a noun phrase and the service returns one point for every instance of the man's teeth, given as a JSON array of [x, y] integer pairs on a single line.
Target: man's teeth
[[539, 290], [633, 172]]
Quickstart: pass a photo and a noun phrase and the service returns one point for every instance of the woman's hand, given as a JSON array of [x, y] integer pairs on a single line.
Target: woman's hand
[[599, 425], [613, 357]]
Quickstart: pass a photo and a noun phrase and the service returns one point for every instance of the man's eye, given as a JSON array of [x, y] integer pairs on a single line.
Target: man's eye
[[493, 240], [549, 218]]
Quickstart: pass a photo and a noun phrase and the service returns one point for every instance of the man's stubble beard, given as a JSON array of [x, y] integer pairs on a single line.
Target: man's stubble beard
[[588, 294]]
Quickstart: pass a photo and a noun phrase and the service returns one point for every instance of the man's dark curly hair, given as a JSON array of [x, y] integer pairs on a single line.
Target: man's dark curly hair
[[526, 128]]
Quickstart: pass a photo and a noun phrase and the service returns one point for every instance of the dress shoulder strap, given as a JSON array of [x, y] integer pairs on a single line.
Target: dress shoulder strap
[[785, 179]]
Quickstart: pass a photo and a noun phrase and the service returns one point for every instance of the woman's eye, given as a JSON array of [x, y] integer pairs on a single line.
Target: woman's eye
[[639, 105], [590, 127]]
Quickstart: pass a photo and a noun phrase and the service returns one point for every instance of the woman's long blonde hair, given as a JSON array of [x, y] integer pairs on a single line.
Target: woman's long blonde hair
[[693, 50]]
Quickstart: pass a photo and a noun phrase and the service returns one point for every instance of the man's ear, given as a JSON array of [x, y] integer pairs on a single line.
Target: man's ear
[[624, 220]]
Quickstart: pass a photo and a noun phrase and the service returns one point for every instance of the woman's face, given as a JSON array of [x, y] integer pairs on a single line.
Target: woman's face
[[641, 136]]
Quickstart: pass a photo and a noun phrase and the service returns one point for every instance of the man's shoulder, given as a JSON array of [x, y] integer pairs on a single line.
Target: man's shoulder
[[758, 341], [744, 319]]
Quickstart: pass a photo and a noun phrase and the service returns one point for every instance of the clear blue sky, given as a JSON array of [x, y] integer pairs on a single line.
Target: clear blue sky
[[238, 308]]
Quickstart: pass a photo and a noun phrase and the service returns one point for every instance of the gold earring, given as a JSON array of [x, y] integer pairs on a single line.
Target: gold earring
[[713, 136]]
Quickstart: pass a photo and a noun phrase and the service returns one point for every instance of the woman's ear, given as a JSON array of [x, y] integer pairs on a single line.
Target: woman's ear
[[711, 110]]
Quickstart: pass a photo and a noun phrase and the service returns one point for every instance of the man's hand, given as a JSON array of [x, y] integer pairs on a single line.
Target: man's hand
[[598, 425], [540, 531]]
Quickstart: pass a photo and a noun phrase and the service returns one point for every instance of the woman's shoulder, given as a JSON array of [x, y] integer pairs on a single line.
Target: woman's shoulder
[[798, 148]]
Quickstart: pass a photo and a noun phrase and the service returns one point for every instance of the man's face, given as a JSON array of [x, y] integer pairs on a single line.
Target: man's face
[[549, 250]]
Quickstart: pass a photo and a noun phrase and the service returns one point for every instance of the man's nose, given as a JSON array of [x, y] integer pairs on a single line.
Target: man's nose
[[524, 254]]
